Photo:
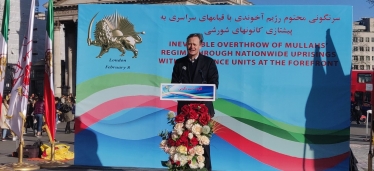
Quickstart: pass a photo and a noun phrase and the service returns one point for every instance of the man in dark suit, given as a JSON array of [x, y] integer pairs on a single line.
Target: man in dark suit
[[196, 68]]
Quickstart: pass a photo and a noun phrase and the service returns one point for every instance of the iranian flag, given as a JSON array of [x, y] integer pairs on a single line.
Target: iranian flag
[[20, 91], [49, 95], [3, 50]]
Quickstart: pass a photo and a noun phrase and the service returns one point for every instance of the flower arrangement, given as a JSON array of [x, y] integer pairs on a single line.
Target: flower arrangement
[[192, 128]]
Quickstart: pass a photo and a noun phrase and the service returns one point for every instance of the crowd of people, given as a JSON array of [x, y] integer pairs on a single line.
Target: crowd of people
[[65, 111], [358, 111]]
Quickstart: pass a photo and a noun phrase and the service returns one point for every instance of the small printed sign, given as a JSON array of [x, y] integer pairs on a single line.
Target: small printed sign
[[188, 92], [369, 87]]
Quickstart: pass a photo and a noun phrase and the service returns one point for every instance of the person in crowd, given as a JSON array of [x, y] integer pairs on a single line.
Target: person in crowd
[[357, 112], [66, 109], [196, 68], [32, 96], [70, 95], [364, 108], [3, 125], [58, 112], [39, 111], [63, 97], [73, 110], [30, 115]]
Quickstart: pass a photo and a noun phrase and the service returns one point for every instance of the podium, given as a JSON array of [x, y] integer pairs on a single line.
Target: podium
[[188, 92]]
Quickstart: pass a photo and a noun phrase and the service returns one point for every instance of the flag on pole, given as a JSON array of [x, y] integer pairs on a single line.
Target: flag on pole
[[20, 91], [49, 95], [3, 50]]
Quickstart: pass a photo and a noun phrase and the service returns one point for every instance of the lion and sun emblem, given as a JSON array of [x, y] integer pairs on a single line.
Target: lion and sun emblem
[[114, 31]]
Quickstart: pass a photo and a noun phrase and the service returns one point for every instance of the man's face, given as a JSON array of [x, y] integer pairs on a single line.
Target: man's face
[[193, 46]]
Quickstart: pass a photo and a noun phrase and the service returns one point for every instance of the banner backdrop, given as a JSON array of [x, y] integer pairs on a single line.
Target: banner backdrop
[[283, 98]]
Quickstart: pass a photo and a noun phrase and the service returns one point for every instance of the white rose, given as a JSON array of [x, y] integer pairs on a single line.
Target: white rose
[[201, 165], [200, 159], [193, 165], [183, 159], [196, 129], [179, 132], [163, 143], [206, 129], [190, 135], [204, 140], [174, 135], [198, 136], [172, 151], [166, 149], [178, 127], [189, 123], [176, 157], [171, 114], [199, 150], [191, 152]]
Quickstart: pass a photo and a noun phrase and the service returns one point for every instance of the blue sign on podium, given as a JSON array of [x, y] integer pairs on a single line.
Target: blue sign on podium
[[188, 92]]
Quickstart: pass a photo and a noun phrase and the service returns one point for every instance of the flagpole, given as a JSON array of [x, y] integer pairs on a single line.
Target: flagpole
[[52, 163], [21, 141], [49, 101], [20, 165]]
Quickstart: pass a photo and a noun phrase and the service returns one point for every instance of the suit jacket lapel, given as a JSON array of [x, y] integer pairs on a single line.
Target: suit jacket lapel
[[197, 74], [187, 64]]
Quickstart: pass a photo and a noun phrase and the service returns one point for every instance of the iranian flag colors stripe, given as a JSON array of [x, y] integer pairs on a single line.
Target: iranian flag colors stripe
[[49, 97], [4, 26], [276, 159], [4, 48]]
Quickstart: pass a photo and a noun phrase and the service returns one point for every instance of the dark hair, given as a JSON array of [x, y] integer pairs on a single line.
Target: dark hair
[[198, 35]]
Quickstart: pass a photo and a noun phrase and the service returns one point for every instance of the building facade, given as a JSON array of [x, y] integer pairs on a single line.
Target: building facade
[[18, 22], [363, 44], [65, 40]]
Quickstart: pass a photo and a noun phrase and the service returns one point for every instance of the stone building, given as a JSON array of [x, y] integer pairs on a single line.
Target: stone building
[[363, 44], [65, 40], [18, 22]]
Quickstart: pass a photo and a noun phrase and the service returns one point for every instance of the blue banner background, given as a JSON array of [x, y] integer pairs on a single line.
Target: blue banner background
[[285, 93]]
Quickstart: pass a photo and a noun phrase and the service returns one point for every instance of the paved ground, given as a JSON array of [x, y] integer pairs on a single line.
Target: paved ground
[[359, 147], [9, 146]]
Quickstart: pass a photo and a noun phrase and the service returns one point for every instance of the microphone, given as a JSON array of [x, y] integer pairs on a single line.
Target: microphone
[[202, 76], [184, 68]]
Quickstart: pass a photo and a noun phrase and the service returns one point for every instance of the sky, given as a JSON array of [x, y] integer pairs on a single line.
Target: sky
[[41, 2], [360, 7]]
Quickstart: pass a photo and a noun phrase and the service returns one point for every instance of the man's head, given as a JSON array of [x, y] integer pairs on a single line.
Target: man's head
[[57, 100], [194, 44]]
